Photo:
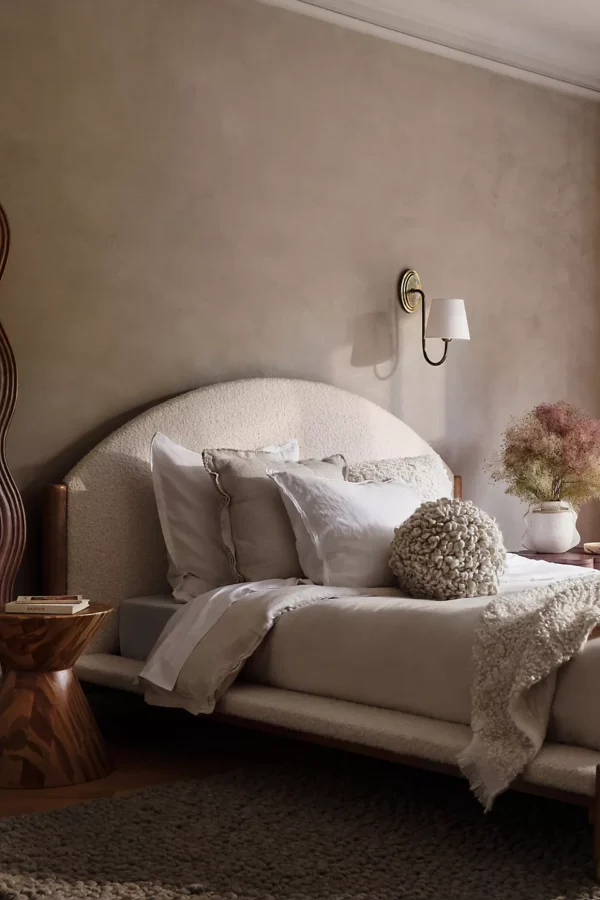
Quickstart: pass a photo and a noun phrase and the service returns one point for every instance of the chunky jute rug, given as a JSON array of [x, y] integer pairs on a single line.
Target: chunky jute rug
[[331, 828]]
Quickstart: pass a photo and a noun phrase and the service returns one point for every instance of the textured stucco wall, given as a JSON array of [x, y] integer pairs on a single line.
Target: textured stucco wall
[[207, 189]]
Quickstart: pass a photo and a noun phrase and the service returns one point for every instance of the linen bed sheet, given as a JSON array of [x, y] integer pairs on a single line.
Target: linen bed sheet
[[405, 654]]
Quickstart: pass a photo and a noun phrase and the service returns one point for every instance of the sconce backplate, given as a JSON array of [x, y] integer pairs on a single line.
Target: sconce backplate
[[409, 283]]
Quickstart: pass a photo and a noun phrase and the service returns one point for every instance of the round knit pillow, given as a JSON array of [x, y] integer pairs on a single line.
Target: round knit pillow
[[448, 549]]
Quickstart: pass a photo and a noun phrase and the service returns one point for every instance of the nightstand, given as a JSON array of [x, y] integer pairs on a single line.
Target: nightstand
[[576, 557], [48, 734]]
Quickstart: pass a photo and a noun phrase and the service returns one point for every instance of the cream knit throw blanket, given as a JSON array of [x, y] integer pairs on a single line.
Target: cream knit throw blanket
[[520, 643]]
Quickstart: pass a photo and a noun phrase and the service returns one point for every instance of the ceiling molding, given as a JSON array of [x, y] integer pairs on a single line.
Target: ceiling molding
[[523, 50]]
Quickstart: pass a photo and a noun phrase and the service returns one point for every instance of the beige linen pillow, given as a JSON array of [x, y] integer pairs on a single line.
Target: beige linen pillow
[[256, 530]]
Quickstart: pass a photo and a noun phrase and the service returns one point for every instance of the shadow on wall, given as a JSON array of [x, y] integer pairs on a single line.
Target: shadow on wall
[[373, 344], [375, 341]]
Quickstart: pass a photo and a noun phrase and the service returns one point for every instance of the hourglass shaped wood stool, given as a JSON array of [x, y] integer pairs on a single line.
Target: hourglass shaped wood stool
[[48, 734]]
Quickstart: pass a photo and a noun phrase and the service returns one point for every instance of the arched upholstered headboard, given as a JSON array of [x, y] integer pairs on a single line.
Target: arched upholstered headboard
[[114, 544]]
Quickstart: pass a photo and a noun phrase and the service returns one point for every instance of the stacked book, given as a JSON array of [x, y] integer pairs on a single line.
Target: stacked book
[[61, 605]]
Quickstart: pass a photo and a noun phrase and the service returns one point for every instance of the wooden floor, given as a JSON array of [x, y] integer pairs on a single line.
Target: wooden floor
[[150, 746]]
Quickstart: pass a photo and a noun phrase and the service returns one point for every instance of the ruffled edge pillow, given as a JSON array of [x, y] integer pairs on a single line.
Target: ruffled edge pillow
[[255, 528]]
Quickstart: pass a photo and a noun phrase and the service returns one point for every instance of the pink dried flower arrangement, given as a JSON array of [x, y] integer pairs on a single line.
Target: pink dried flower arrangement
[[551, 453]]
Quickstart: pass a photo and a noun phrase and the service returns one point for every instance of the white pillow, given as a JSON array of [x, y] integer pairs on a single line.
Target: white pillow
[[189, 511], [344, 531]]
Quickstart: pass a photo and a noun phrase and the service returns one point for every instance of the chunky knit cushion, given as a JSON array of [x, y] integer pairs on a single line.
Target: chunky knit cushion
[[448, 549]]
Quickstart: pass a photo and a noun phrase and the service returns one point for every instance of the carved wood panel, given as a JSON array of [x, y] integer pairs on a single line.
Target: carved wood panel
[[12, 513]]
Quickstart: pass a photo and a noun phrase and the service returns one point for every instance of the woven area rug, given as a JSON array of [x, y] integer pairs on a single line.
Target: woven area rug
[[329, 828]]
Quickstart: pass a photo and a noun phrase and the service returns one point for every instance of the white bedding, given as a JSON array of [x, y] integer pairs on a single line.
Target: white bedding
[[385, 650]]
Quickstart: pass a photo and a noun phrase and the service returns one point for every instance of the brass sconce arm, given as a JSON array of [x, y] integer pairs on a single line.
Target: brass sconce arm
[[423, 339]]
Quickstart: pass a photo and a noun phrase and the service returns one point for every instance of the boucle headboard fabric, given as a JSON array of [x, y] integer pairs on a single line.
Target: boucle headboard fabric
[[114, 543]]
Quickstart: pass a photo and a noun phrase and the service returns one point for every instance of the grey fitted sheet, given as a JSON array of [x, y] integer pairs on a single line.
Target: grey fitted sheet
[[141, 620]]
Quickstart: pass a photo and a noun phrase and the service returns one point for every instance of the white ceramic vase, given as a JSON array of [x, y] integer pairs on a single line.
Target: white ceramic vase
[[551, 527]]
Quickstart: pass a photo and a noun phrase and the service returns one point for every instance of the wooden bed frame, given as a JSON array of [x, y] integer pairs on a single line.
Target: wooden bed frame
[[54, 569]]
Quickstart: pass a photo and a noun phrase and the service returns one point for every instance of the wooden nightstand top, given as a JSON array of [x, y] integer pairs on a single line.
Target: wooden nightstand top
[[576, 557], [44, 642]]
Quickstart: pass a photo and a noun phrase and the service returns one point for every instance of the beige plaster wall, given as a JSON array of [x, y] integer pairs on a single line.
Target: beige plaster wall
[[208, 189]]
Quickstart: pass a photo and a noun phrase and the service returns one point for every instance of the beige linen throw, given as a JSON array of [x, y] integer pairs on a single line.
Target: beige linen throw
[[205, 645], [519, 645]]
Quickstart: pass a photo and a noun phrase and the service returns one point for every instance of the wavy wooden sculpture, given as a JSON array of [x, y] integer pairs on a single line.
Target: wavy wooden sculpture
[[12, 513]]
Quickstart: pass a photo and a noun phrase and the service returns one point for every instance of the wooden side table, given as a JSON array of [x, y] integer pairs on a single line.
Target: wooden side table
[[576, 557], [48, 734]]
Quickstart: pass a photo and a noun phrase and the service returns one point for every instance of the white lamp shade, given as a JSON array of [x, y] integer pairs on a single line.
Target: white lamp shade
[[448, 319]]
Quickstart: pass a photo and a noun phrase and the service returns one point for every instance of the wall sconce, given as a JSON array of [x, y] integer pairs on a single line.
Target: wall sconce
[[447, 319]]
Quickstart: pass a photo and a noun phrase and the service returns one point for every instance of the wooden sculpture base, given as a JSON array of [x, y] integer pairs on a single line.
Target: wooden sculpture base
[[48, 734]]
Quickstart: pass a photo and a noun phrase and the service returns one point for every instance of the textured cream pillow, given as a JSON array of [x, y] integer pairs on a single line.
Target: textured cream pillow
[[426, 475], [448, 549], [189, 509], [256, 530]]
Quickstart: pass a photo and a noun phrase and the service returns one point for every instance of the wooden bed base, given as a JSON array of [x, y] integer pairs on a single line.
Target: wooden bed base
[[54, 575]]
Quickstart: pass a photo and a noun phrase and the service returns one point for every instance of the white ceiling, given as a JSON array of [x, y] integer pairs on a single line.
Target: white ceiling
[[537, 39]]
